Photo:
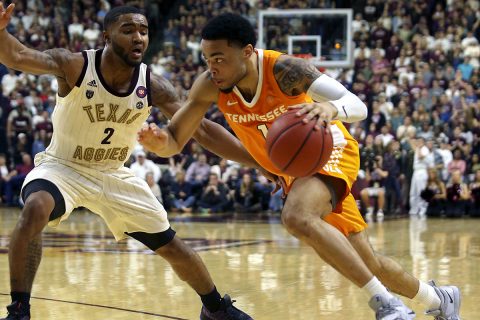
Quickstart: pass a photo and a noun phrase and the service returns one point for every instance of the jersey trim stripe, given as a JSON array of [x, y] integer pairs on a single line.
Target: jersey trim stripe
[[258, 93], [133, 82], [147, 80], [84, 69]]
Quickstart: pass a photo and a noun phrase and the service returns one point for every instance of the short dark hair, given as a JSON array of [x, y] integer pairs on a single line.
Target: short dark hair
[[231, 27], [113, 15]]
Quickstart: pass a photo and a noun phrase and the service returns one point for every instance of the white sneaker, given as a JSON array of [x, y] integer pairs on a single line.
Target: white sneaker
[[449, 303], [392, 309], [380, 215], [369, 214]]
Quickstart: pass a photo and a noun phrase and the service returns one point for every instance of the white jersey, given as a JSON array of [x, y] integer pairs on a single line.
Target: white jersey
[[95, 126]]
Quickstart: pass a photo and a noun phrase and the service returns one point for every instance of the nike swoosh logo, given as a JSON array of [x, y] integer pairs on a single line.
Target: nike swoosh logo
[[231, 103], [451, 299]]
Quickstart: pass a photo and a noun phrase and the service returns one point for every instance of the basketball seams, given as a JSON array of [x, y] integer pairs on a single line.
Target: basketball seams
[[281, 134], [299, 149]]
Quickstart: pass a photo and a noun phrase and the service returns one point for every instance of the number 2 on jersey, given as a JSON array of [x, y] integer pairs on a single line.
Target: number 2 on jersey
[[263, 129], [109, 132]]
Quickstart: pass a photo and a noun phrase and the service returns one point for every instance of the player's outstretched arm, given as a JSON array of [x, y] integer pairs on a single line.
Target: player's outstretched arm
[[16, 56], [333, 101], [184, 121], [209, 134]]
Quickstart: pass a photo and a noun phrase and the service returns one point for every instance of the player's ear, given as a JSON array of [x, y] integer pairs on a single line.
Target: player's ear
[[248, 50], [106, 37]]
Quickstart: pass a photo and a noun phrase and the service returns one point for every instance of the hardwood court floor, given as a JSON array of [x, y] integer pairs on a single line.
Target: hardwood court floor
[[86, 275]]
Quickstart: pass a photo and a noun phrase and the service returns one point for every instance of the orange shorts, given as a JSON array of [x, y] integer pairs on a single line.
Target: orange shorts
[[343, 164], [349, 220]]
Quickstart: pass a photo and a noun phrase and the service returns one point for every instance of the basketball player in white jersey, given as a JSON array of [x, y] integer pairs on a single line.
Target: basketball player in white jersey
[[104, 97]]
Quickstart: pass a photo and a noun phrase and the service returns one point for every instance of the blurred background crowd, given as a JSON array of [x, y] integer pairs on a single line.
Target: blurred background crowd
[[416, 67]]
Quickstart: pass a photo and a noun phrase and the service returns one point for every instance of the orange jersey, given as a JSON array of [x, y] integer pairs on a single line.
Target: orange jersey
[[251, 120]]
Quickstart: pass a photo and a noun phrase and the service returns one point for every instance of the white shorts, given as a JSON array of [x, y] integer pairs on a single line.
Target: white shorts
[[374, 191], [123, 200]]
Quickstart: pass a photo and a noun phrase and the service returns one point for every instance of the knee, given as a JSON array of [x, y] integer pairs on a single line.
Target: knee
[[34, 215], [295, 221], [174, 250]]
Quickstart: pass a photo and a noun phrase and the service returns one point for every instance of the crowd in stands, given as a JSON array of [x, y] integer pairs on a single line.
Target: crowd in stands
[[416, 66]]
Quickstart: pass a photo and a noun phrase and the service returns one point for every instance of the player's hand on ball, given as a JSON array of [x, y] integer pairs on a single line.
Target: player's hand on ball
[[321, 112], [5, 15], [152, 138]]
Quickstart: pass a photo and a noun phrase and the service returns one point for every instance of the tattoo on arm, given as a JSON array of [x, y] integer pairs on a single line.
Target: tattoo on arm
[[295, 75], [163, 93], [57, 58]]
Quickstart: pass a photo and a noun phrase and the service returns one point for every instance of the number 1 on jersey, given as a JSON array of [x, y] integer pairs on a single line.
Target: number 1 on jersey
[[263, 129]]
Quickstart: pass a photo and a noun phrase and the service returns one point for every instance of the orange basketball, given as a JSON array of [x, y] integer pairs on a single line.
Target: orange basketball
[[296, 148]]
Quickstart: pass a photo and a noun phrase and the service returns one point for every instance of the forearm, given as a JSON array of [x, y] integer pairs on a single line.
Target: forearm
[[350, 108], [11, 50], [218, 140]]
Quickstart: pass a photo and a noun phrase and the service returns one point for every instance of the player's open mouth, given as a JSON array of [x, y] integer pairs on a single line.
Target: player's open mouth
[[217, 82], [137, 53]]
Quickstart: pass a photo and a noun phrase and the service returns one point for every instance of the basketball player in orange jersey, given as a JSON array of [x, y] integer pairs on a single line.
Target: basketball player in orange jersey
[[104, 98], [252, 87]]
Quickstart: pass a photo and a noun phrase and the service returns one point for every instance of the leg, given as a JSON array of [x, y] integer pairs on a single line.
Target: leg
[[381, 199], [142, 219], [26, 242], [413, 195], [388, 271], [365, 198], [307, 216], [302, 216], [399, 281], [187, 265]]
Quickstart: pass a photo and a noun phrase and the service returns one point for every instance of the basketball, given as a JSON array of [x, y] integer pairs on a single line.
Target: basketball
[[296, 148]]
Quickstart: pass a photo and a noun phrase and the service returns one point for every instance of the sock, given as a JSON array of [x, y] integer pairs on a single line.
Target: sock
[[212, 301], [374, 287], [427, 296], [22, 297]]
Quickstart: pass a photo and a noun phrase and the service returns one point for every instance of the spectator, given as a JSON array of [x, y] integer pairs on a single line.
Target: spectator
[[385, 136], [435, 194], [423, 159], [15, 178], [466, 69], [182, 193], [447, 157], [19, 121], [375, 177], [391, 164], [475, 191], [199, 170], [214, 196], [142, 166], [457, 163], [9, 82], [75, 28], [91, 34], [405, 128], [150, 178], [40, 142], [247, 196], [458, 196], [3, 175]]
